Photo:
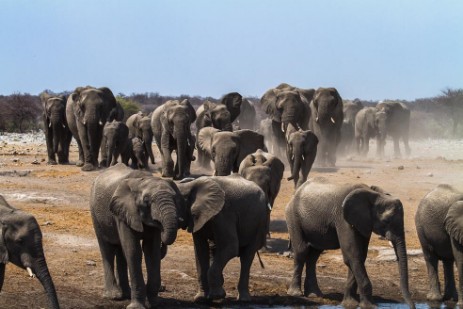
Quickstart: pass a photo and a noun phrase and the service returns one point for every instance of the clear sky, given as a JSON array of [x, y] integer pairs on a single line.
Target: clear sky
[[370, 49]]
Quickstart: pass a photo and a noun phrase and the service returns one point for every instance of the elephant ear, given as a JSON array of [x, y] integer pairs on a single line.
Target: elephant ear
[[357, 210], [276, 165], [250, 141], [3, 250], [190, 108], [249, 160], [205, 137], [269, 104], [454, 222], [206, 199], [123, 205]]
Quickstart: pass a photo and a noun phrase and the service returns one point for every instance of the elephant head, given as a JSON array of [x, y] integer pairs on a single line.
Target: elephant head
[[21, 244], [54, 112], [142, 125], [372, 210], [139, 155], [233, 101], [115, 139], [327, 106], [218, 116], [228, 149]]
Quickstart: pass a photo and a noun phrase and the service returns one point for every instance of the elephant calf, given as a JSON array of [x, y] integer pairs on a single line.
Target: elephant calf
[[439, 224]]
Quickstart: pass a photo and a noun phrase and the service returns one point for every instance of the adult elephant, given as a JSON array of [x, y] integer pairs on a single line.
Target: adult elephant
[[115, 143], [237, 229], [140, 126], [301, 150], [397, 125], [324, 216], [286, 104], [227, 149], [21, 244], [347, 141], [57, 134], [87, 111], [439, 226], [247, 116], [326, 122], [171, 124], [369, 123]]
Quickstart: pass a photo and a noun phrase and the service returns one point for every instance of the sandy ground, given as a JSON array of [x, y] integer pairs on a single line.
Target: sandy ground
[[58, 196]]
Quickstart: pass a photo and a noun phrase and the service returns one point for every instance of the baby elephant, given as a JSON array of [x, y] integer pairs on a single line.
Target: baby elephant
[[138, 154], [115, 143], [439, 224]]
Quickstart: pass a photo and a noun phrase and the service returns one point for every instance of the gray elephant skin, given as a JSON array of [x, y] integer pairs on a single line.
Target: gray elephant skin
[[286, 104], [439, 226], [139, 157], [57, 134], [347, 142], [140, 126], [115, 143], [219, 115], [397, 125], [237, 230], [21, 244], [301, 150], [87, 111], [247, 116], [325, 216], [171, 124], [227, 149], [326, 122], [369, 123]]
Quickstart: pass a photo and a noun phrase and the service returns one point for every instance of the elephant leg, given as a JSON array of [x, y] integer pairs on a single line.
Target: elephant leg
[[50, 151], [350, 299], [458, 254], [215, 274], [202, 256], [311, 287], [108, 253], [87, 154], [407, 147], [2, 275], [246, 258], [122, 275], [450, 292], [301, 252], [434, 293], [167, 164], [152, 252], [396, 147]]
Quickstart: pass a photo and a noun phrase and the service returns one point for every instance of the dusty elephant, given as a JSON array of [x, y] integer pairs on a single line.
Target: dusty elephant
[[171, 124], [57, 134], [140, 126], [139, 157], [326, 122], [347, 140], [369, 123], [115, 143], [227, 149], [21, 244], [247, 116], [439, 226], [324, 216]]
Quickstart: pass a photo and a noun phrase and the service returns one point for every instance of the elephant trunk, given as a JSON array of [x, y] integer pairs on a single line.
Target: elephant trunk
[[109, 151], [41, 270], [401, 251], [296, 166], [181, 153], [2, 275], [223, 165], [168, 213], [148, 142]]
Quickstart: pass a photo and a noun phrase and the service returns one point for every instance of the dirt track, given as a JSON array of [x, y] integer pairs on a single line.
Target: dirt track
[[58, 197]]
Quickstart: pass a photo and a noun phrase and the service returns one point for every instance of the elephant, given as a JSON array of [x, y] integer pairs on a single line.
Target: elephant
[[138, 155], [326, 122], [227, 149], [247, 116], [140, 126], [116, 143], [219, 115], [301, 150], [237, 228], [325, 216], [87, 111], [369, 123], [265, 128], [439, 227], [21, 244], [397, 125], [350, 110], [171, 124], [57, 134], [286, 104]]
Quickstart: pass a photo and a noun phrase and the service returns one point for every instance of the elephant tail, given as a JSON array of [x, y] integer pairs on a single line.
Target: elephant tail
[[260, 260]]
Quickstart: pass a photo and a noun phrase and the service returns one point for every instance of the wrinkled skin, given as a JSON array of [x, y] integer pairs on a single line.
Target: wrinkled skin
[[325, 216], [219, 115], [350, 110], [301, 150], [326, 122], [87, 111], [228, 149], [21, 244], [115, 143], [132, 213], [397, 125], [138, 155], [140, 126], [247, 116], [57, 133], [439, 226], [171, 124], [237, 229], [285, 105], [369, 123]]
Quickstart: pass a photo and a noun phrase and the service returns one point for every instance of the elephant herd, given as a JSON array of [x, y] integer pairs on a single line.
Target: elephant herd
[[137, 215]]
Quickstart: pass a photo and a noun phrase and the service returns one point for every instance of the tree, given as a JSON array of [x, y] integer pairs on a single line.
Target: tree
[[130, 107], [453, 100], [21, 112]]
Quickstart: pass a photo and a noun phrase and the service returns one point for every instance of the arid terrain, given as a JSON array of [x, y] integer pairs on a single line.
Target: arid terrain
[[58, 197]]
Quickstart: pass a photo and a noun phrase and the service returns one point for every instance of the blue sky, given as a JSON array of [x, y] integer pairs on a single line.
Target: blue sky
[[372, 50]]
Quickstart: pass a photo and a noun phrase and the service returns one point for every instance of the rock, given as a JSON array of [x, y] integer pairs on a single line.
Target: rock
[[401, 167], [430, 174], [35, 162], [47, 223], [90, 263]]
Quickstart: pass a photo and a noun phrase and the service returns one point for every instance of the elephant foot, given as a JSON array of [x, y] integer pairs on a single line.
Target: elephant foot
[[113, 294], [52, 162], [452, 295], [200, 297], [313, 292], [153, 301], [366, 304], [349, 303], [217, 294], [88, 167], [80, 163], [103, 163], [434, 296], [63, 162], [294, 291], [244, 296], [135, 305]]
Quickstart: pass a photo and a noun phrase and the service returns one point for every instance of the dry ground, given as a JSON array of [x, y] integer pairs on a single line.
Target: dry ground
[[58, 197]]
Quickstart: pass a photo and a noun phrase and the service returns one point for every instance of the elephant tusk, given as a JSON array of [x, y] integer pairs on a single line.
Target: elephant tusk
[[390, 244], [282, 127], [316, 119], [332, 120], [303, 158], [100, 123], [292, 157], [29, 271], [63, 126], [49, 125], [269, 206]]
